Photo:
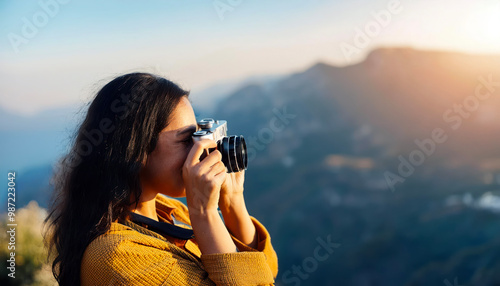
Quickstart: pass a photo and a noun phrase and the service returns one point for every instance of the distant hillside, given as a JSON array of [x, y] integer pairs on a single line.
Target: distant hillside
[[321, 171], [31, 184], [205, 100], [396, 94]]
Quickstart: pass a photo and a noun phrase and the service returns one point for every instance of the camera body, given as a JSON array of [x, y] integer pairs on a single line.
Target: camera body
[[232, 148], [211, 129]]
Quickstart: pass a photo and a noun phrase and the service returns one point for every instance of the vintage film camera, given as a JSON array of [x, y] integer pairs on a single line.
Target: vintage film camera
[[232, 148]]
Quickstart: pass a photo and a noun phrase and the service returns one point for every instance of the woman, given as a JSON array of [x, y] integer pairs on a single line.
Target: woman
[[111, 224]]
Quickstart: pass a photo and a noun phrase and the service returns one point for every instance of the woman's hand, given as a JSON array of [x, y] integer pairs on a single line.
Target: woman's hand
[[203, 179], [204, 192], [233, 208], [231, 190]]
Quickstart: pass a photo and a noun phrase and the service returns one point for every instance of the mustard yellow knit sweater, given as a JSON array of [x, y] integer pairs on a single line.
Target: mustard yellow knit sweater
[[129, 254]]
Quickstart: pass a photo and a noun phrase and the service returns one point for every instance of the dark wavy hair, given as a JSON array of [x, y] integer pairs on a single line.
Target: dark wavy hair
[[98, 180]]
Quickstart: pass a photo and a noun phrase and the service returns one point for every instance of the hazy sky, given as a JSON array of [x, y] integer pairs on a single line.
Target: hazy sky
[[56, 54]]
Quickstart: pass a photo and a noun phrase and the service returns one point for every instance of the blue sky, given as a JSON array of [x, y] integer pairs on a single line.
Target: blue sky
[[86, 43]]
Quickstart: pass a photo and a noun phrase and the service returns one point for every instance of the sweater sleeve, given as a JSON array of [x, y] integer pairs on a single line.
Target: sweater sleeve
[[109, 261], [263, 245], [249, 266]]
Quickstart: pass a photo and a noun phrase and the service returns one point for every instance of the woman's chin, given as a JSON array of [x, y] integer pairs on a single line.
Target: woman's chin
[[176, 194]]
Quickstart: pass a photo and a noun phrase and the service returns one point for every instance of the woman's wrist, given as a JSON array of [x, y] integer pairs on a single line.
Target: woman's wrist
[[202, 212], [238, 222], [210, 232], [232, 204]]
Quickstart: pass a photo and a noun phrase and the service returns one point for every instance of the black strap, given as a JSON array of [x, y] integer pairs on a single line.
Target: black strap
[[163, 227]]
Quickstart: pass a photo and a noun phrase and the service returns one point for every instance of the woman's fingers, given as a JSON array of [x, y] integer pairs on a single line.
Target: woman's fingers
[[212, 174], [218, 168], [197, 150], [203, 179], [220, 173], [208, 163]]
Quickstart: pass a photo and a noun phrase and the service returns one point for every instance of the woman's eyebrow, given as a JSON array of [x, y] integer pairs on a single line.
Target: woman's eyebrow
[[190, 129]]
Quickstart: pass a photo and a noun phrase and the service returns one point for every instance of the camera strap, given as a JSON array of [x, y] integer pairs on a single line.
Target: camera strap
[[162, 227]]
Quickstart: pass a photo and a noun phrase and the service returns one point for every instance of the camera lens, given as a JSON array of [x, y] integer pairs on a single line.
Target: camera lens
[[241, 152], [234, 153]]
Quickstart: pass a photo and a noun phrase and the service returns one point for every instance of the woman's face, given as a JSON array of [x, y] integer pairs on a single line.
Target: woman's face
[[162, 172]]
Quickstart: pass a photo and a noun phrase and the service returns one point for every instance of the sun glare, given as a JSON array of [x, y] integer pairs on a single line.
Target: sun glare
[[483, 26]]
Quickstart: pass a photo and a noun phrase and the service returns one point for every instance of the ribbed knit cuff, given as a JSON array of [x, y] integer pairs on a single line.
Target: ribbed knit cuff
[[241, 268]]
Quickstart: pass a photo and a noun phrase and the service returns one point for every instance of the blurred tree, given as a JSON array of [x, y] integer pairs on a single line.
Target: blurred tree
[[30, 254]]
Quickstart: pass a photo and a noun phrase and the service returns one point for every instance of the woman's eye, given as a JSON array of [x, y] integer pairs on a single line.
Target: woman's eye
[[187, 141]]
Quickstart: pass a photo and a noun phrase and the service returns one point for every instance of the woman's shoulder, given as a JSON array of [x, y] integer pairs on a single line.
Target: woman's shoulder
[[120, 254], [122, 240], [102, 247], [119, 237]]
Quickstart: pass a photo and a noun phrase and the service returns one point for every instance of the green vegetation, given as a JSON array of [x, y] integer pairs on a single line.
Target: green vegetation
[[31, 265]]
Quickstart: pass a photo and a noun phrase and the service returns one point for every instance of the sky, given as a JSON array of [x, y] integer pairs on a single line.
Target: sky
[[56, 53]]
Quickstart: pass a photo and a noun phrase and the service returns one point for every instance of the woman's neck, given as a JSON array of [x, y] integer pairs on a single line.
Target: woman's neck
[[146, 206]]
